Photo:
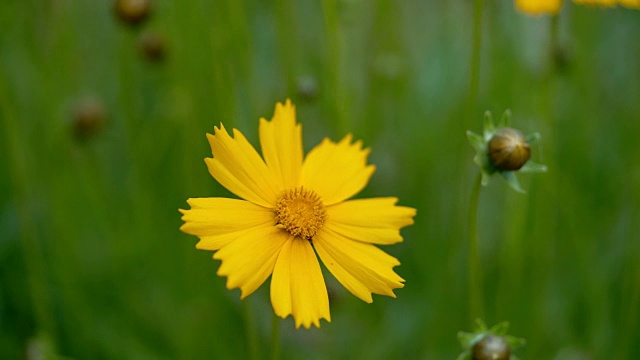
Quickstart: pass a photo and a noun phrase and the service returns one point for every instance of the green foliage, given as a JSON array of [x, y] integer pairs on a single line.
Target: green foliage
[[93, 266]]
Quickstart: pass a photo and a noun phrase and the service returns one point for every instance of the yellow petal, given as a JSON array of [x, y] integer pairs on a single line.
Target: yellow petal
[[361, 268], [376, 221], [237, 166], [539, 7], [281, 141], [634, 4], [297, 285], [336, 171], [217, 221], [249, 260]]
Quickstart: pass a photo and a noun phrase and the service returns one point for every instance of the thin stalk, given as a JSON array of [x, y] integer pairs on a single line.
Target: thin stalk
[[22, 186], [476, 303], [474, 79], [333, 69], [275, 338], [251, 329], [554, 43]]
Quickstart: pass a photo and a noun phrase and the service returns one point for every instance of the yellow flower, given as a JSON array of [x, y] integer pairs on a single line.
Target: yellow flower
[[539, 7], [634, 4], [608, 3], [552, 7], [293, 206]]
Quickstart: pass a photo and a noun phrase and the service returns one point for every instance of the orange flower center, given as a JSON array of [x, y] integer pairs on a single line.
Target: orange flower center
[[300, 212]]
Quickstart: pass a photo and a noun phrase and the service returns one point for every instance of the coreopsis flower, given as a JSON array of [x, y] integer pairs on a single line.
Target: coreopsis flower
[[292, 209], [504, 150], [552, 7], [634, 4], [539, 7], [489, 343]]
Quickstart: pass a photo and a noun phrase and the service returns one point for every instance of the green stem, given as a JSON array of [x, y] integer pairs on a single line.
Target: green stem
[[21, 176], [474, 81], [251, 329], [333, 69], [554, 43], [476, 305], [275, 338]]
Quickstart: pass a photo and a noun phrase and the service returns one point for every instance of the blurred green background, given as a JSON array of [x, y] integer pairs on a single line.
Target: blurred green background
[[101, 144]]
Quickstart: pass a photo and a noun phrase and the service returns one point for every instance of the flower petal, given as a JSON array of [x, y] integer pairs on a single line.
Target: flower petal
[[361, 268], [376, 220], [237, 166], [538, 7], [217, 221], [281, 141], [249, 260], [337, 171], [297, 285]]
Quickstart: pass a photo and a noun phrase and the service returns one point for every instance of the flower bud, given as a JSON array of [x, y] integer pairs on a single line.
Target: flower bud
[[491, 347], [508, 149], [88, 117], [132, 12], [152, 46], [307, 87]]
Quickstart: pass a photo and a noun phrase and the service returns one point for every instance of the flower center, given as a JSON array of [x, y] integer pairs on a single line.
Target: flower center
[[300, 212]]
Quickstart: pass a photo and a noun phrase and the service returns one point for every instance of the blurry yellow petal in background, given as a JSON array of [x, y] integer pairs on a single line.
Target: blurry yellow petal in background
[[609, 3], [633, 4], [539, 7]]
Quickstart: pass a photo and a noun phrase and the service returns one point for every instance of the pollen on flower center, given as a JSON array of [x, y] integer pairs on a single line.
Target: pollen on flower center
[[301, 212]]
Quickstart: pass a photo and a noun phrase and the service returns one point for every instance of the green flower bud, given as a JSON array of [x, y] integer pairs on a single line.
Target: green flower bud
[[503, 150]]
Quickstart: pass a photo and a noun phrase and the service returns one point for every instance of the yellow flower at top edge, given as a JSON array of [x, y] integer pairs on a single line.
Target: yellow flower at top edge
[[606, 3], [552, 7], [294, 210], [539, 7], [633, 4]]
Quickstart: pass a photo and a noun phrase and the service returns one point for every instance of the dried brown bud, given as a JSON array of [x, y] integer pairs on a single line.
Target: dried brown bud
[[152, 46], [132, 12], [491, 347], [508, 149], [89, 116]]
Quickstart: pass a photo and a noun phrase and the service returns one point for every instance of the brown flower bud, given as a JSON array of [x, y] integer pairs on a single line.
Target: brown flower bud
[[132, 12], [152, 46], [89, 117], [508, 149], [491, 347]]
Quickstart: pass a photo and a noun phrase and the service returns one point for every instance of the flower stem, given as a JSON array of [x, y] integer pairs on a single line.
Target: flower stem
[[476, 305], [252, 331], [275, 338], [554, 43], [475, 54]]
